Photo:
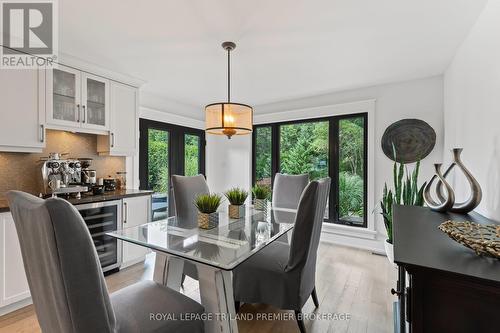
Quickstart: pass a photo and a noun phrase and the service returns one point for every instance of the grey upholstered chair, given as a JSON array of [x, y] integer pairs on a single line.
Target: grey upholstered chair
[[287, 190], [283, 275], [186, 189], [67, 284]]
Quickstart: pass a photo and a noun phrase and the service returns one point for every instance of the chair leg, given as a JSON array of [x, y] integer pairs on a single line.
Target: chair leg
[[315, 297], [182, 281], [300, 322], [237, 306]]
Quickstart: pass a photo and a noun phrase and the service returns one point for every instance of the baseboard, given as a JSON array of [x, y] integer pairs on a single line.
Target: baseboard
[[15, 306], [372, 245]]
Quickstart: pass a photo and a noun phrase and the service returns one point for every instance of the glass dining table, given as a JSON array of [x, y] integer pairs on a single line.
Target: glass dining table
[[215, 252]]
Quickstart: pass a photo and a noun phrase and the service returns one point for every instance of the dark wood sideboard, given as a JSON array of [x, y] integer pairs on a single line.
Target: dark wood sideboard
[[442, 285]]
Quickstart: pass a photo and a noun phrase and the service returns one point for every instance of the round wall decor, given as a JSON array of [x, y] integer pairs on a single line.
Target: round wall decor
[[413, 140]]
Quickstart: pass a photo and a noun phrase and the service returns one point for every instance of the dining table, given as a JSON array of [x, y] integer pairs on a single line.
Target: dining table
[[215, 252]]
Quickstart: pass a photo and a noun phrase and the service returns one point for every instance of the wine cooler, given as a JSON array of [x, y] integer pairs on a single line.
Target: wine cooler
[[103, 217]]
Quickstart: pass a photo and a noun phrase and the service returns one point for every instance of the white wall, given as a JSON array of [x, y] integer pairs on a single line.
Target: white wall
[[422, 99], [472, 108]]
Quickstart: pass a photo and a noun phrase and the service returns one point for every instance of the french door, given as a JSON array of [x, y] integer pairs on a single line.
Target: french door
[[166, 150]]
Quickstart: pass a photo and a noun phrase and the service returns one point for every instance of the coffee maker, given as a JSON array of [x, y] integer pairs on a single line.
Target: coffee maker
[[89, 176], [62, 176]]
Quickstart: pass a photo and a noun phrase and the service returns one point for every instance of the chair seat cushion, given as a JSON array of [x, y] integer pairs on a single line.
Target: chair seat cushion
[[263, 278], [140, 307]]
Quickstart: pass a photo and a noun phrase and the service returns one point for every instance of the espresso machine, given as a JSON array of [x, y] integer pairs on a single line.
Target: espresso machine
[[62, 176]]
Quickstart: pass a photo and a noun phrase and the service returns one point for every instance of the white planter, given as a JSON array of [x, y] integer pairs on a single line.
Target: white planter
[[389, 251]]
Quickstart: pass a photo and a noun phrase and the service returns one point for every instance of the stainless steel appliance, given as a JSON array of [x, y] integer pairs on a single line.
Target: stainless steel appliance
[[100, 218], [66, 173]]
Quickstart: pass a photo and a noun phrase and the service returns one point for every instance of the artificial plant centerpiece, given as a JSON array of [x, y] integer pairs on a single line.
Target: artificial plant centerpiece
[[406, 192], [237, 197], [260, 196], [207, 205]]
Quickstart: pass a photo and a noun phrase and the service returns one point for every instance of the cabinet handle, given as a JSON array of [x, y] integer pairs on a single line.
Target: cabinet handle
[[42, 133], [125, 212], [78, 113], [84, 114], [112, 140]]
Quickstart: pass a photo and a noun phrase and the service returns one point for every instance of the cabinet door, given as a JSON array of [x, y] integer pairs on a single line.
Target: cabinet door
[[64, 85], [122, 139], [14, 285], [136, 211], [22, 110], [95, 102]]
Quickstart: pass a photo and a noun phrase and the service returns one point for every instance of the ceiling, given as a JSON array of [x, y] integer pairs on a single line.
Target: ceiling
[[285, 49]]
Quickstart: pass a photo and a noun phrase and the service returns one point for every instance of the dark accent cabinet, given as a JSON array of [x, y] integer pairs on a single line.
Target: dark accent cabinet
[[442, 285]]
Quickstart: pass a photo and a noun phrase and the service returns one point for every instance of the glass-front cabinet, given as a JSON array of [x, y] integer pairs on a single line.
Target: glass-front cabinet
[[79, 99]]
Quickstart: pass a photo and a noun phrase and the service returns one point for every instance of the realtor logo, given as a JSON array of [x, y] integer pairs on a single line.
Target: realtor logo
[[28, 33]]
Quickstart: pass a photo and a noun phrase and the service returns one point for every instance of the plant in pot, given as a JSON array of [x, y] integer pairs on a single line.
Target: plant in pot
[[207, 205], [260, 196], [237, 197], [406, 192]]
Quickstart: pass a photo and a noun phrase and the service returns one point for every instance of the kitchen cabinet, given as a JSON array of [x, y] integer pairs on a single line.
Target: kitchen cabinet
[[13, 283], [22, 110], [77, 101], [122, 138], [136, 211]]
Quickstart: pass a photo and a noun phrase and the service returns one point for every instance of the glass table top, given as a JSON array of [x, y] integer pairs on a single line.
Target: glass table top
[[225, 246]]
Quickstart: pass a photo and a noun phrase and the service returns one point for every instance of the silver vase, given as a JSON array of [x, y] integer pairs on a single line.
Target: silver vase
[[444, 203], [476, 194]]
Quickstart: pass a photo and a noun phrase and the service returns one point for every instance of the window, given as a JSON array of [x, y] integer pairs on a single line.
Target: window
[[334, 147], [167, 150]]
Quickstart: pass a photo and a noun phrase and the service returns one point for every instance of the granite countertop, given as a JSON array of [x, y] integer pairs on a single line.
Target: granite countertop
[[107, 196]]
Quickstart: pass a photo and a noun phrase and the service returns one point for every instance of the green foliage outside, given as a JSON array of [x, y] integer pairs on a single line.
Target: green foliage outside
[[158, 141], [208, 203], [158, 160], [304, 148]]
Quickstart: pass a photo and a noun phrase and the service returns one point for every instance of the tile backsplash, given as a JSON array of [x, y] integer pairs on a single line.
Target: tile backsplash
[[22, 171]]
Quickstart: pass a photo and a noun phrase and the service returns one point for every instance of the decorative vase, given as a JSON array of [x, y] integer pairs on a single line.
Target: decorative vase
[[444, 203], [476, 193], [236, 211], [260, 204], [389, 251], [208, 221]]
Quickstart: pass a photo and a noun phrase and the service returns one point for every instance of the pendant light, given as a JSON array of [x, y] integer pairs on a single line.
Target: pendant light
[[228, 118]]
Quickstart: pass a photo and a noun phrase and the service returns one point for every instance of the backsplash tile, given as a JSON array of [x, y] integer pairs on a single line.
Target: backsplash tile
[[22, 171]]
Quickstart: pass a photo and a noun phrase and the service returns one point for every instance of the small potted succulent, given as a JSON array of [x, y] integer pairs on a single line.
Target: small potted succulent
[[260, 196], [207, 205], [237, 197]]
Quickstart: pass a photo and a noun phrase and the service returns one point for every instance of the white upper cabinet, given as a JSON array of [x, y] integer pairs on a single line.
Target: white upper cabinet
[[122, 140], [77, 101], [22, 110]]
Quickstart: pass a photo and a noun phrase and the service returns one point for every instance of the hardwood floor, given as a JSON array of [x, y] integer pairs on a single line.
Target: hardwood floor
[[349, 281]]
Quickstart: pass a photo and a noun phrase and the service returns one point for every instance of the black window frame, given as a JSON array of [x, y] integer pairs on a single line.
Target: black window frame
[[333, 162], [176, 153]]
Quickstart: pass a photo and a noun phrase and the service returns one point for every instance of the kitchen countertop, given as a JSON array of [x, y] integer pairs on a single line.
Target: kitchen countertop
[[107, 196]]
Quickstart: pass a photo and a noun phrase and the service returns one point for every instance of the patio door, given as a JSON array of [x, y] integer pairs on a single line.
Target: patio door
[[167, 150]]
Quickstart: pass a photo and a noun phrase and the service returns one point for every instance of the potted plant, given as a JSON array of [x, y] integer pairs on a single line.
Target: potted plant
[[260, 196], [406, 192], [207, 205], [237, 197]]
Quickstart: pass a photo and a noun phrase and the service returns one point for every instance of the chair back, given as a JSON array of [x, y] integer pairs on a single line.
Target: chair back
[[287, 190], [62, 267], [307, 231], [186, 189]]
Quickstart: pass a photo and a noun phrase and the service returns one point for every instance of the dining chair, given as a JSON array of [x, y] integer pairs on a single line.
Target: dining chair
[[287, 190], [67, 284], [283, 275], [185, 190]]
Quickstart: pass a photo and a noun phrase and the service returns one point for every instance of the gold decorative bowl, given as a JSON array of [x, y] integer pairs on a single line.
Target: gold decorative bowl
[[484, 239]]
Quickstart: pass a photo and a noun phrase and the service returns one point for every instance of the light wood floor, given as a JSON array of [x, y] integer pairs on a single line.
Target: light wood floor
[[349, 281]]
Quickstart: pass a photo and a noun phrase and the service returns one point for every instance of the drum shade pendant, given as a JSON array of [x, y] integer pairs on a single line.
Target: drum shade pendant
[[228, 118]]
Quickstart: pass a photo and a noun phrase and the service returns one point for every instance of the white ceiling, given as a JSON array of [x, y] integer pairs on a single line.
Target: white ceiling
[[285, 49]]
